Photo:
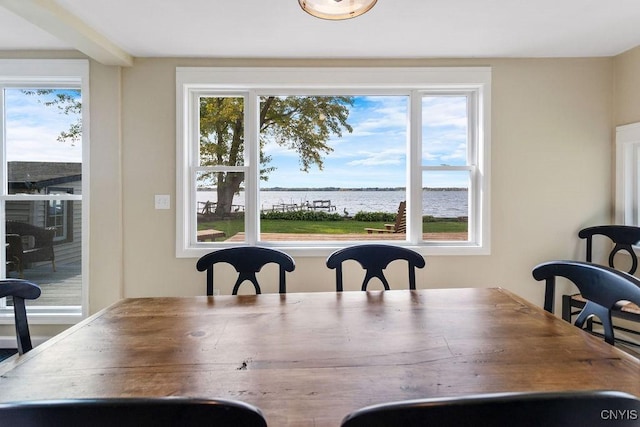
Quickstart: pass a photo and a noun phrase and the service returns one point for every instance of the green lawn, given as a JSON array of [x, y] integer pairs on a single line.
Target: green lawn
[[347, 226]]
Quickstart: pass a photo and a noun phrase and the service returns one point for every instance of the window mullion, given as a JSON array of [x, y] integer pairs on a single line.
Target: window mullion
[[193, 160], [414, 173], [472, 128], [252, 160]]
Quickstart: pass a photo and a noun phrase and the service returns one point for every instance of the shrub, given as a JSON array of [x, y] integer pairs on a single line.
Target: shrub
[[431, 218], [301, 215], [375, 216]]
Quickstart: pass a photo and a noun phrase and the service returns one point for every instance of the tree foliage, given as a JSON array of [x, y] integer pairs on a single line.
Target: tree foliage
[[68, 102], [303, 124]]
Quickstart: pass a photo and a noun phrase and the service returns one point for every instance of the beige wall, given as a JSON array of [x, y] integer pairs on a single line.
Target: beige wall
[[626, 107], [626, 87], [551, 174], [106, 229]]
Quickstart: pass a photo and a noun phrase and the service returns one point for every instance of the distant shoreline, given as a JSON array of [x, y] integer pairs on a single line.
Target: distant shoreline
[[349, 189]]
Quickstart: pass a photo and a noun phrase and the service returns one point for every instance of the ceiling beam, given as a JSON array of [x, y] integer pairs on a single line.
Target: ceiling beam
[[61, 23]]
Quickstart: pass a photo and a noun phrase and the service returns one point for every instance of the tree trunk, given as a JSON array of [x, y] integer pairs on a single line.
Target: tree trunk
[[228, 185]]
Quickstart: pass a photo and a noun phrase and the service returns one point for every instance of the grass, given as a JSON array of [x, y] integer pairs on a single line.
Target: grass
[[346, 226]]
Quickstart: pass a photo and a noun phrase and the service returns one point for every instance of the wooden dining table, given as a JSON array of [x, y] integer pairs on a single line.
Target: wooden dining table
[[308, 359]]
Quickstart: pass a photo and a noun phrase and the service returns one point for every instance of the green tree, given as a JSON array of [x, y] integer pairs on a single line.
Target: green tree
[[68, 102], [300, 123]]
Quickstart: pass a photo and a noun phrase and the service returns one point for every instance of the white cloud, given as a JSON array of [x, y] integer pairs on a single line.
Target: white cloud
[[32, 130], [441, 111], [384, 157]]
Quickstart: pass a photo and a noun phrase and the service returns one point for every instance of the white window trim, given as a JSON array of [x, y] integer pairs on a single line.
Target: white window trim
[[49, 72], [191, 80], [627, 174]]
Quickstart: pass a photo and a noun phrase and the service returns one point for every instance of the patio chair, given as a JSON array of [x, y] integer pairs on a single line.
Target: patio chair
[[400, 226], [131, 412], [604, 289], [374, 258], [247, 260], [549, 409], [622, 238], [38, 249], [20, 290]]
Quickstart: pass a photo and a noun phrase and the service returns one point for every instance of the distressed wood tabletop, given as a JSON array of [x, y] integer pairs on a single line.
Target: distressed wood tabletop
[[308, 359]]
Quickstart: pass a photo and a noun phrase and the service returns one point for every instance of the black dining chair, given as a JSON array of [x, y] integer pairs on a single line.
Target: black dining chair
[[621, 238], [374, 258], [131, 412], [548, 409], [247, 260], [20, 290], [604, 289]]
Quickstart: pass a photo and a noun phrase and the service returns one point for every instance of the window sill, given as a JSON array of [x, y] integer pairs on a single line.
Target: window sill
[[317, 249], [45, 315]]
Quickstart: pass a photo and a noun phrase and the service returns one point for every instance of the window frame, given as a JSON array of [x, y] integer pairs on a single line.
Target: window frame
[[66, 207], [627, 204], [50, 73], [194, 81]]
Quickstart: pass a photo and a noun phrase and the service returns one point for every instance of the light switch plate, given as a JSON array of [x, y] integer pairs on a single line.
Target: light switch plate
[[163, 201]]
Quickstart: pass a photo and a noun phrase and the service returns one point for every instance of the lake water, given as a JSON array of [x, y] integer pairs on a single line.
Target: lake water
[[436, 203]]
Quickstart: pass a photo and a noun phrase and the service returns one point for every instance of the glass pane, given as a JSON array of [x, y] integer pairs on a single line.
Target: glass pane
[[42, 125], [444, 130], [221, 131], [220, 210], [332, 166], [33, 253], [44, 157], [445, 205]]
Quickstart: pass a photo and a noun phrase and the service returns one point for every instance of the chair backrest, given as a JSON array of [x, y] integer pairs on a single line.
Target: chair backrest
[[247, 260], [131, 412], [20, 290], [603, 287], [400, 225], [623, 237], [374, 258], [552, 409]]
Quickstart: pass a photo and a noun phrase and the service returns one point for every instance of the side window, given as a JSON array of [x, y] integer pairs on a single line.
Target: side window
[[627, 174], [449, 160], [43, 104], [219, 172]]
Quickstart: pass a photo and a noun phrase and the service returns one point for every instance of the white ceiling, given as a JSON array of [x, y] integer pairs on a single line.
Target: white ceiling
[[280, 29]]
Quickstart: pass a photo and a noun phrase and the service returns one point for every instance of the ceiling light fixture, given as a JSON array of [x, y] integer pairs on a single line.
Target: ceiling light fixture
[[336, 9]]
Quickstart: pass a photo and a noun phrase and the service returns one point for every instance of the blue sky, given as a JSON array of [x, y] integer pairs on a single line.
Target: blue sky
[[374, 154], [32, 130]]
